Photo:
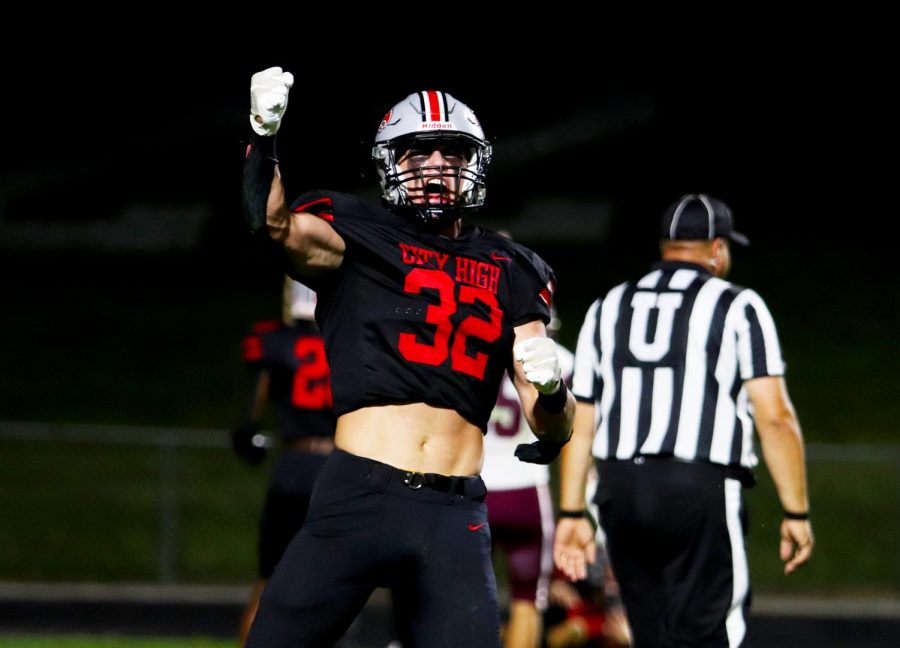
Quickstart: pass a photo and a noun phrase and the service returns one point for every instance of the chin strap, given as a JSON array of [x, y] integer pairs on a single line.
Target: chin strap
[[430, 219]]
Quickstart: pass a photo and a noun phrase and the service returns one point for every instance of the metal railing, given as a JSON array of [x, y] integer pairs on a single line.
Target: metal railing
[[170, 441]]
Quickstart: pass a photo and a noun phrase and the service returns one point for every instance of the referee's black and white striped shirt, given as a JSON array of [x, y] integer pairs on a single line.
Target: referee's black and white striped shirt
[[664, 360]]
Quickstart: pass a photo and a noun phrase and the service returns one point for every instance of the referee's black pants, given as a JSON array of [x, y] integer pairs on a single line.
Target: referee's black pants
[[367, 528], [675, 538]]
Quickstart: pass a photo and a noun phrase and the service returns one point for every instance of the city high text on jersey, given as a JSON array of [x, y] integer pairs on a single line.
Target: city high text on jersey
[[468, 271]]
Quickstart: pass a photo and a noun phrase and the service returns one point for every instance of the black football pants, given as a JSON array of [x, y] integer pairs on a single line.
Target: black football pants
[[675, 537], [371, 525], [287, 500]]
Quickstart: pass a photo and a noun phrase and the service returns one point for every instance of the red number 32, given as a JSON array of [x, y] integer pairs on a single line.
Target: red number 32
[[439, 315]]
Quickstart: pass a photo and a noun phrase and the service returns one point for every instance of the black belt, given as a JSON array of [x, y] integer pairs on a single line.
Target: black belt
[[434, 481], [740, 473], [376, 473]]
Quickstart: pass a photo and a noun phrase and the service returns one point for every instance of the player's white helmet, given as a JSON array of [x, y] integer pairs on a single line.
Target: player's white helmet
[[431, 117], [299, 302]]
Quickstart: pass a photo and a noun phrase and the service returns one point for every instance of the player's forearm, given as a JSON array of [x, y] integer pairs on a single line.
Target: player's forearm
[[310, 246], [258, 180], [783, 451], [278, 216], [576, 459], [553, 426]]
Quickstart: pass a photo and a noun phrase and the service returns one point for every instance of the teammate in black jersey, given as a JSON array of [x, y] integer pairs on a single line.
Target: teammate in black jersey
[[289, 357], [421, 316]]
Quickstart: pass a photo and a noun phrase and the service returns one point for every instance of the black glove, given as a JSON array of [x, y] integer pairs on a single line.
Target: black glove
[[539, 452], [249, 443]]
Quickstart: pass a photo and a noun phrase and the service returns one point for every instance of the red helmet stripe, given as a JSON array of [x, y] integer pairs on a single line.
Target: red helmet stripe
[[434, 106]]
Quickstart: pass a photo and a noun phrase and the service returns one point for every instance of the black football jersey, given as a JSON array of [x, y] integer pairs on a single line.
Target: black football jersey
[[412, 316], [300, 382]]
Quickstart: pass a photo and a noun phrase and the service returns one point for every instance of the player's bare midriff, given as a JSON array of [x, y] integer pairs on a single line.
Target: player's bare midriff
[[414, 436]]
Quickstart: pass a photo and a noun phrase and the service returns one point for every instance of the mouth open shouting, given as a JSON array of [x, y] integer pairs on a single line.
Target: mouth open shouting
[[438, 193], [432, 177]]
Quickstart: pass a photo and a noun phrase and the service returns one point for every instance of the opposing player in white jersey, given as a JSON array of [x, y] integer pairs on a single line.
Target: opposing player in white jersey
[[520, 510]]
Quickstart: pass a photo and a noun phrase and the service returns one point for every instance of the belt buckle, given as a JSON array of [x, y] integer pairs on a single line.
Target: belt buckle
[[413, 480]]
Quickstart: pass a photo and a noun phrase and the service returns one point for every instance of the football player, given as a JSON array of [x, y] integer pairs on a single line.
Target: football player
[[421, 317], [292, 372]]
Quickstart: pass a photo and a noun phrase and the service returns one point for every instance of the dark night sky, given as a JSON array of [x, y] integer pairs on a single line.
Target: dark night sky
[[779, 126], [786, 120]]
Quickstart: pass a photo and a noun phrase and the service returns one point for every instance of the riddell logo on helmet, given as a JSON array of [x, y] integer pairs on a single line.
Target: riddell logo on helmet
[[437, 125]]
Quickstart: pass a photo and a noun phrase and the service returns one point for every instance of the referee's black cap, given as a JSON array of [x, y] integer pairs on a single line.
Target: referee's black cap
[[698, 217]]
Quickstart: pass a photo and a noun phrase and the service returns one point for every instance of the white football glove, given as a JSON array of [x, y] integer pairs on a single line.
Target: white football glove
[[268, 99], [540, 363]]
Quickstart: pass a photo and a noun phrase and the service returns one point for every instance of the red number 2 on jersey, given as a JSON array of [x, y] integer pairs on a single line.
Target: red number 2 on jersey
[[439, 315], [312, 387]]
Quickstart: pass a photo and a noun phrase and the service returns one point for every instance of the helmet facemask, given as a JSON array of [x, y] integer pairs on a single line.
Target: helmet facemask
[[432, 190]]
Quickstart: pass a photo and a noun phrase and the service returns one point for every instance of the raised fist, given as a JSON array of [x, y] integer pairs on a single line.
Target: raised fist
[[269, 99], [540, 363]]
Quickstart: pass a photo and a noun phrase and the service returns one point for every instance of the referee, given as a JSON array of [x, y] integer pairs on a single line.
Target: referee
[[672, 371]]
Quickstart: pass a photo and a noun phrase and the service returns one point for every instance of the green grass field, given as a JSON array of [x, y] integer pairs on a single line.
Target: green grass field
[[857, 535], [90, 512]]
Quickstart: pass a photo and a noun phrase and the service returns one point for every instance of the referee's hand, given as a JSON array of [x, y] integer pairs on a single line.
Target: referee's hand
[[574, 547], [796, 543]]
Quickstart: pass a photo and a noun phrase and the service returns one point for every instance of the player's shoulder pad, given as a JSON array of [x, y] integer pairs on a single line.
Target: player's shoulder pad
[[523, 255], [532, 278], [360, 223]]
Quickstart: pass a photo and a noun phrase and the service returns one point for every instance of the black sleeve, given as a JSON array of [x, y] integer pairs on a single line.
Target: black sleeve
[[533, 287], [259, 169], [354, 220], [317, 203]]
